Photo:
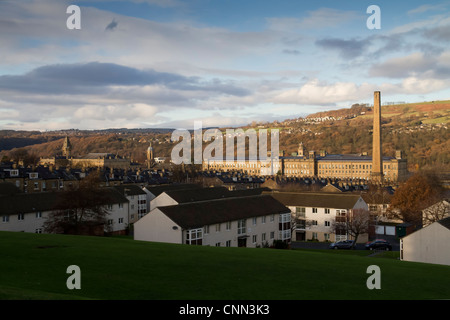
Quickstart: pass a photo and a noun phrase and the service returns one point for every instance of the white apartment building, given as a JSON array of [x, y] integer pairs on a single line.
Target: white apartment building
[[313, 213], [27, 212], [252, 221], [137, 201]]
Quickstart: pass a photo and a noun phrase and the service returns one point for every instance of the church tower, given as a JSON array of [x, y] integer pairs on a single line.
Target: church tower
[[149, 156], [67, 148], [301, 150], [377, 162]]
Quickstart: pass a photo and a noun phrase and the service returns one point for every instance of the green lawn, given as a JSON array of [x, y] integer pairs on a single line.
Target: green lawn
[[34, 267]]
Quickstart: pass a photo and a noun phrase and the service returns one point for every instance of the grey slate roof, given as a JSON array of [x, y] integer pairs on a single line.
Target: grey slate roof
[[45, 201], [157, 190], [202, 213], [316, 199], [130, 189]]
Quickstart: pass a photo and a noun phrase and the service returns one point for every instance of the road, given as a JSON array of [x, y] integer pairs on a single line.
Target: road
[[325, 245]]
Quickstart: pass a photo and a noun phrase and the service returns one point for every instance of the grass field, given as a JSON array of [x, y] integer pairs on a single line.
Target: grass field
[[34, 267]]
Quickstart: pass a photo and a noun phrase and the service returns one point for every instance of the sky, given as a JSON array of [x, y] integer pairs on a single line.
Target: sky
[[226, 63]]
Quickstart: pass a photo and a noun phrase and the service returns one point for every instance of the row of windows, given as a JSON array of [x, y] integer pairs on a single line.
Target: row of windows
[[326, 223], [347, 166], [21, 217], [302, 211], [255, 239], [111, 221], [241, 224]]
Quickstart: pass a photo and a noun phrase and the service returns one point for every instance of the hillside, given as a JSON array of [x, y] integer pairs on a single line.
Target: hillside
[[34, 267], [420, 130]]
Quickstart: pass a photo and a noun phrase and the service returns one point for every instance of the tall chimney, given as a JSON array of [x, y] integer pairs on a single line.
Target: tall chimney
[[377, 163]]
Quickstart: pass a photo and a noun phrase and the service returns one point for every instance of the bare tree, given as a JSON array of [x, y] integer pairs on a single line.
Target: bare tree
[[436, 212], [80, 210], [354, 223]]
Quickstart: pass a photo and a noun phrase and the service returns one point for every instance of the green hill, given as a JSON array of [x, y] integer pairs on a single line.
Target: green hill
[[34, 267]]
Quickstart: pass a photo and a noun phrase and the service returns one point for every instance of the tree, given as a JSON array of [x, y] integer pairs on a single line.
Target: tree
[[81, 210], [354, 223], [24, 157], [436, 212], [419, 192]]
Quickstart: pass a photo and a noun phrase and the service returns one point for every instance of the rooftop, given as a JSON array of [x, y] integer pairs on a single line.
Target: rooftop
[[316, 199], [202, 213]]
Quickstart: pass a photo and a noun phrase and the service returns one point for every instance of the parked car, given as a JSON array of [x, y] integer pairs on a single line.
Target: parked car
[[345, 244], [378, 244]]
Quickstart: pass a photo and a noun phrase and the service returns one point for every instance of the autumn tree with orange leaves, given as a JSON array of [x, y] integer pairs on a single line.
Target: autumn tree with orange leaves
[[420, 191]]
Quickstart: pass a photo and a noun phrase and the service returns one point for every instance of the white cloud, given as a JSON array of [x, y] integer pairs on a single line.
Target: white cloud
[[315, 92], [317, 19]]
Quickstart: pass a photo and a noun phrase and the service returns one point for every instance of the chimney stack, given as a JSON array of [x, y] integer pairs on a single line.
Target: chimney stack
[[377, 163]]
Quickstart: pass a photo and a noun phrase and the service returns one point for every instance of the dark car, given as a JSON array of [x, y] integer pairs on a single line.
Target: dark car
[[378, 244], [345, 244]]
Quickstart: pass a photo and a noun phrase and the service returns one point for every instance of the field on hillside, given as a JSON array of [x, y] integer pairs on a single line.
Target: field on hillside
[[34, 267]]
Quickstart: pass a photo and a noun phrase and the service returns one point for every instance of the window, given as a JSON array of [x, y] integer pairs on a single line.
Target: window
[[218, 244], [110, 221], [38, 215], [314, 210], [254, 221], [254, 238], [327, 223], [5, 219], [272, 235], [327, 211], [241, 226], [20, 216], [228, 243], [314, 222], [263, 219], [120, 220], [38, 230], [218, 227], [206, 230], [272, 217], [263, 237], [228, 226], [120, 205], [194, 236]]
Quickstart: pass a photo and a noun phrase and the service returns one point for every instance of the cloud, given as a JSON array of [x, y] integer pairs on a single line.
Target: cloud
[[317, 19], [95, 77], [414, 65], [348, 49], [427, 7], [315, 92], [114, 112], [291, 51]]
